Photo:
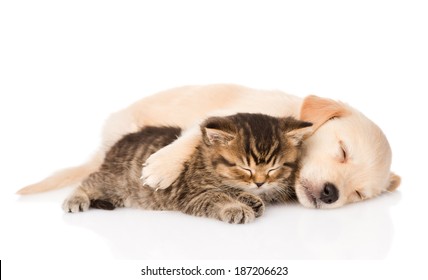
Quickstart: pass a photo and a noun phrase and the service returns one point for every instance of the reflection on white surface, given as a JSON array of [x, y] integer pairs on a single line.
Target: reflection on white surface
[[359, 231]]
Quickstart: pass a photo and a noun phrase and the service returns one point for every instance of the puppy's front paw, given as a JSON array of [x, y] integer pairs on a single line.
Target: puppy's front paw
[[237, 214], [255, 202], [76, 203], [161, 170]]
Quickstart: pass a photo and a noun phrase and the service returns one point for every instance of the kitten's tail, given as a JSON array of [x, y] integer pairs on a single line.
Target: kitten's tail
[[65, 177]]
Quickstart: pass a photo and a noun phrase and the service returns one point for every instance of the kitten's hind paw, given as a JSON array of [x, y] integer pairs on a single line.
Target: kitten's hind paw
[[255, 202], [237, 214], [76, 203]]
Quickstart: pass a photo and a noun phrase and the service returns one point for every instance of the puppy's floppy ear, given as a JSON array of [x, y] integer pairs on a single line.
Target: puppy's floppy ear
[[297, 130], [218, 131], [394, 182], [318, 110]]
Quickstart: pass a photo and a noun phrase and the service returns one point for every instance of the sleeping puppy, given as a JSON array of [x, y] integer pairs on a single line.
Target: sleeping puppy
[[346, 159]]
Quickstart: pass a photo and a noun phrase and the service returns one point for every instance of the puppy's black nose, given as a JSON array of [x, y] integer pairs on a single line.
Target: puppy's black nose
[[259, 184], [329, 194]]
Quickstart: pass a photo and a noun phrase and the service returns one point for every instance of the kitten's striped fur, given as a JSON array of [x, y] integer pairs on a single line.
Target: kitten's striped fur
[[243, 162]]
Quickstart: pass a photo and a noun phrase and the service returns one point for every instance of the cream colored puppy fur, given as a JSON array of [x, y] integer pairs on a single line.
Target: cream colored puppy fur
[[346, 150]]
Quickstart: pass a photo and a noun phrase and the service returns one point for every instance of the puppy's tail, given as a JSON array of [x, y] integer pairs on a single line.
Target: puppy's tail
[[65, 177]]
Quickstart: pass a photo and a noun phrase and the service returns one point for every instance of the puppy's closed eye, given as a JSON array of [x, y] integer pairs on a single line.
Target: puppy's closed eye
[[343, 153], [360, 195]]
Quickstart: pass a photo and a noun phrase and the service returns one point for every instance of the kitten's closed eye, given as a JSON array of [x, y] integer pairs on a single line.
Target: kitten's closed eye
[[247, 170], [272, 170], [283, 171]]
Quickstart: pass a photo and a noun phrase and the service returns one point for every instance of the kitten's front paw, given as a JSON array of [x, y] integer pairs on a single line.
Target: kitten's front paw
[[76, 203], [237, 214], [255, 202], [160, 170]]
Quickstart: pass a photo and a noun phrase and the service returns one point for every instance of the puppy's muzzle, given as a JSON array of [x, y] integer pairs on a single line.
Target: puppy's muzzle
[[329, 194]]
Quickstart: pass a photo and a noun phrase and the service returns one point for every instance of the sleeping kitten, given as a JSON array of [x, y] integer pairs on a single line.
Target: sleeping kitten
[[243, 162]]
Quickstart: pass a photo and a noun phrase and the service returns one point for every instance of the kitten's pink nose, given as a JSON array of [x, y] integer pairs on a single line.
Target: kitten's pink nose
[[259, 184]]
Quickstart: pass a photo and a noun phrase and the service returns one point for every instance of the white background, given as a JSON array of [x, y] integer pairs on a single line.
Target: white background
[[66, 65]]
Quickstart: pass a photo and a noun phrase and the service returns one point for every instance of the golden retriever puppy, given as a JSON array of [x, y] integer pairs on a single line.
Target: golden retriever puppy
[[347, 158]]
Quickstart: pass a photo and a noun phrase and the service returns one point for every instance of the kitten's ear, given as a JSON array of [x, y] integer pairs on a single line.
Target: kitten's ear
[[218, 131], [296, 130], [215, 136]]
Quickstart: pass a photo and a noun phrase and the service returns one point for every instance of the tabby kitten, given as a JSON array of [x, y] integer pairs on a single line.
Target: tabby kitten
[[242, 162]]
